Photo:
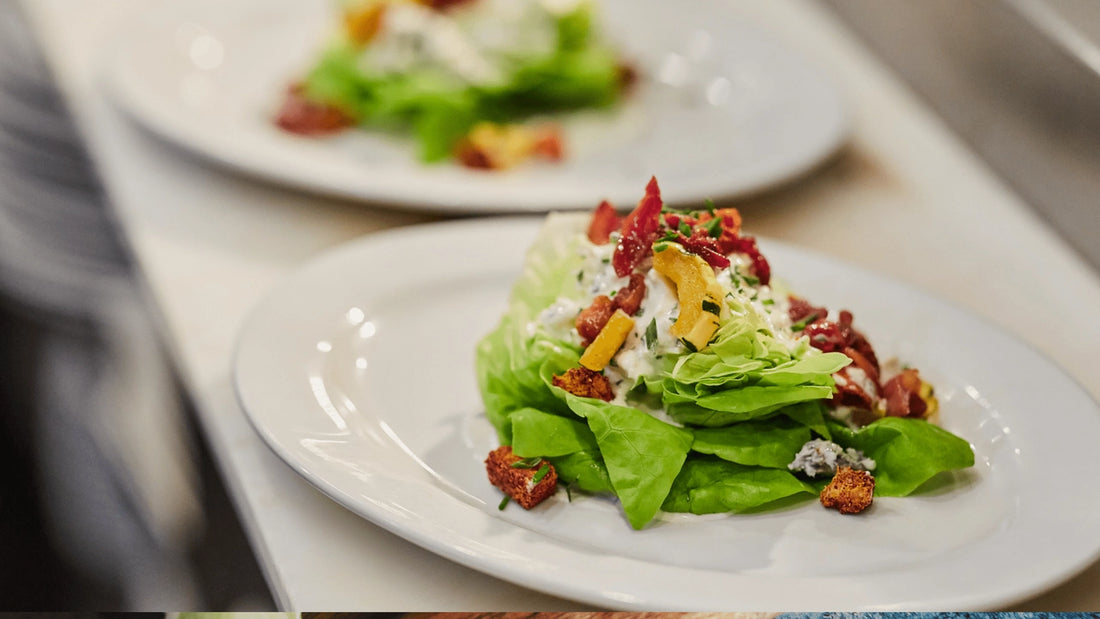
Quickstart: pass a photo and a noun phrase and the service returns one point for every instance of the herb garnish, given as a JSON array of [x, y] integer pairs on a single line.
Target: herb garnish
[[650, 337], [543, 470], [714, 227], [801, 324], [504, 502], [527, 463]]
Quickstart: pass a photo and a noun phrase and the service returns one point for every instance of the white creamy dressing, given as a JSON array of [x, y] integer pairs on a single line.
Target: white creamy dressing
[[473, 43], [856, 376], [771, 309], [659, 307]]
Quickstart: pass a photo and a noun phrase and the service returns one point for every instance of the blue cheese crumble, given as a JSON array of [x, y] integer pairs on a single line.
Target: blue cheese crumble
[[821, 456]]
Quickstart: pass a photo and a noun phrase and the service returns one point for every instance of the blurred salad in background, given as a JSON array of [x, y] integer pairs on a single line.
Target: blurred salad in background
[[474, 80]]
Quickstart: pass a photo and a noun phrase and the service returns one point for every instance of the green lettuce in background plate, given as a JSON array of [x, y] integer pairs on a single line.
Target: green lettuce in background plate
[[436, 73]]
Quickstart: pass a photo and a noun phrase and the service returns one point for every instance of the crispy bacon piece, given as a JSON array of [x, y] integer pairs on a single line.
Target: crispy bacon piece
[[585, 383], [747, 245], [802, 310], [861, 361], [639, 231], [304, 117], [902, 393], [604, 221], [591, 320], [731, 220], [629, 298], [673, 220], [702, 241], [442, 5], [861, 394], [840, 336], [471, 156], [495, 146], [850, 491], [517, 482], [628, 76], [549, 143], [836, 336], [705, 246]]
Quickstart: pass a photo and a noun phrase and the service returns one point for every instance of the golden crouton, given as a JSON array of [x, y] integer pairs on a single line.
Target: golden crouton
[[528, 481], [585, 383], [850, 491]]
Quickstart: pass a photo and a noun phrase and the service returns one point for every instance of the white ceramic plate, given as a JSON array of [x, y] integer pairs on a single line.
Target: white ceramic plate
[[722, 109], [358, 372]]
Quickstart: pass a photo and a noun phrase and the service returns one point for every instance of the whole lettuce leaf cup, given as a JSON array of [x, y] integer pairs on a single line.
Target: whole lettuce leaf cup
[[734, 414]]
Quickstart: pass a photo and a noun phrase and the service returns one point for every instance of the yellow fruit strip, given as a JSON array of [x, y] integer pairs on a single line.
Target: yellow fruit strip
[[608, 342], [699, 294]]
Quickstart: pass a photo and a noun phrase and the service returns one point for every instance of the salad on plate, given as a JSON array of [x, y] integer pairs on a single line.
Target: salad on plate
[[655, 359], [477, 81]]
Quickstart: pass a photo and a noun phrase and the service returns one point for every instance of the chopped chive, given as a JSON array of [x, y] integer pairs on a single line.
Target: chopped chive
[[650, 337], [712, 307], [504, 502], [801, 324], [768, 301], [605, 260], [714, 227], [580, 275], [685, 229], [526, 463], [752, 281], [660, 247], [543, 470], [709, 204]]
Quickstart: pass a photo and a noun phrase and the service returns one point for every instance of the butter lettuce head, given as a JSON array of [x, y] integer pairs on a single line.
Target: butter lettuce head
[[742, 407]]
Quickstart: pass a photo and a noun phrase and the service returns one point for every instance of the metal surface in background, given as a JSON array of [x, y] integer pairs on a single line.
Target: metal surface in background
[[1019, 80]]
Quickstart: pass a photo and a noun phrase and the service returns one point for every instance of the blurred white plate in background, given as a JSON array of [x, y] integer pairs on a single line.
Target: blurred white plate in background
[[365, 385], [721, 110]]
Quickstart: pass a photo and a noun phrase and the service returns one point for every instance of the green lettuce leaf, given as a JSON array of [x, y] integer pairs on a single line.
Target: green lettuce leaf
[[708, 485], [535, 433], [772, 443], [643, 454], [509, 366], [907, 452], [511, 360], [585, 471], [567, 442]]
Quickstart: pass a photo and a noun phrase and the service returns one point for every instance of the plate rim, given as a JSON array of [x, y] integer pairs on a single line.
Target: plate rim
[[533, 578], [142, 106]]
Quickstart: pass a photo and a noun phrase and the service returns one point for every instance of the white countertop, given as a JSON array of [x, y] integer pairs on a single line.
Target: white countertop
[[905, 199]]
